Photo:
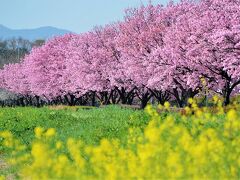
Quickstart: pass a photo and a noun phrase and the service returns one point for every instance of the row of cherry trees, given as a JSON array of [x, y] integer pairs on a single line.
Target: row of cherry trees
[[174, 51]]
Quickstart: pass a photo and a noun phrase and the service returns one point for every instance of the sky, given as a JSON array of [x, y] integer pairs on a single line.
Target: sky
[[74, 15]]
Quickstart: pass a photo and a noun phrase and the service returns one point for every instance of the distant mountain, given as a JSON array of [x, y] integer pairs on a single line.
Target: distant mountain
[[31, 34]]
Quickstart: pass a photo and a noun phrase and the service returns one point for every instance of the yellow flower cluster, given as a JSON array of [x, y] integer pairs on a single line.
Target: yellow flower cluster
[[39, 132], [197, 144]]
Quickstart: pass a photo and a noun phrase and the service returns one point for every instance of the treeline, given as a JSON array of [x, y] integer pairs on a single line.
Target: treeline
[[161, 53], [13, 50]]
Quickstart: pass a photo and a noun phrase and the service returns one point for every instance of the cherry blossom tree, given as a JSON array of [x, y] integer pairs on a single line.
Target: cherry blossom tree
[[170, 71], [203, 42], [157, 51], [87, 60], [45, 68], [14, 80], [140, 34]]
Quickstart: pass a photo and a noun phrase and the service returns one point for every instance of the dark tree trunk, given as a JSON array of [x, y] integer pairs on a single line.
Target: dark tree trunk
[[71, 100], [130, 98], [93, 98], [104, 97], [161, 96], [227, 99], [126, 97], [183, 97], [144, 98], [37, 101], [83, 100], [21, 101], [28, 100], [115, 97], [123, 96], [228, 88]]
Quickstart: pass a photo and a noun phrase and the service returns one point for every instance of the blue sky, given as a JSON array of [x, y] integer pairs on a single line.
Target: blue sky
[[74, 15]]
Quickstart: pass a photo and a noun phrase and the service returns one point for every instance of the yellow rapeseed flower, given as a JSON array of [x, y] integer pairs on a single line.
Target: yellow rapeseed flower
[[50, 132], [38, 132], [6, 134], [231, 115], [171, 147], [190, 100], [215, 99], [58, 144], [167, 105]]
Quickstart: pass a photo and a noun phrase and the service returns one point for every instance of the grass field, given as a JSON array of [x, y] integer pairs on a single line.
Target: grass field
[[119, 143], [90, 125]]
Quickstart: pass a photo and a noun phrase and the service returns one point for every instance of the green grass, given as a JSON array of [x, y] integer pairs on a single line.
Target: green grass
[[89, 125]]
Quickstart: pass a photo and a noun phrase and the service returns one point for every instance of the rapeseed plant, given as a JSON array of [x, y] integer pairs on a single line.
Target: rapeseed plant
[[198, 144]]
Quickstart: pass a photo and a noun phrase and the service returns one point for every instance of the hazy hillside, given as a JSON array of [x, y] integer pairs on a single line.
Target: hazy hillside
[[31, 34]]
